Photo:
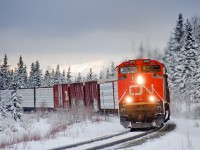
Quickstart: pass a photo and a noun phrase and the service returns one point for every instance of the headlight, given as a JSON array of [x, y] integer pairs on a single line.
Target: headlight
[[140, 80], [129, 99], [151, 98]]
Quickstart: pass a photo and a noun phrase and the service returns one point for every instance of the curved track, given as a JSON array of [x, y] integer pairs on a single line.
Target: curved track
[[164, 130], [122, 140]]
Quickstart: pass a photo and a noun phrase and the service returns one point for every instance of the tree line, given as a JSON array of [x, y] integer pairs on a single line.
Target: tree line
[[182, 60], [19, 77]]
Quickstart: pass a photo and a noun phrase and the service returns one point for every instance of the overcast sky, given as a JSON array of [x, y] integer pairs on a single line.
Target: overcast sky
[[68, 32]]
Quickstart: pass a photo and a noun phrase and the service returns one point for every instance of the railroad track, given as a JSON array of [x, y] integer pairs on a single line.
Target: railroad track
[[121, 140]]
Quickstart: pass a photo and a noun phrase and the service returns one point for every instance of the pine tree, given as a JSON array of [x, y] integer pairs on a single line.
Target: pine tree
[[190, 64], [69, 75], [31, 76], [35, 78], [173, 59], [79, 78], [57, 78], [141, 52], [63, 77], [52, 77], [13, 80], [107, 74], [13, 107], [91, 76], [4, 82], [47, 79], [112, 70], [38, 74], [22, 74], [101, 75]]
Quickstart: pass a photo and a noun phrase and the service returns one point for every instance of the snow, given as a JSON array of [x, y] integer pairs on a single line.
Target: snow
[[186, 135]]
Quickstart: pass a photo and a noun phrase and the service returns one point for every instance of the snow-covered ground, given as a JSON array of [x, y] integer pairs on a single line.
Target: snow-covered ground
[[185, 136]]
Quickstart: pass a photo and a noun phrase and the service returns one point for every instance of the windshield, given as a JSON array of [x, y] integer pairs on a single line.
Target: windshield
[[125, 70], [154, 68]]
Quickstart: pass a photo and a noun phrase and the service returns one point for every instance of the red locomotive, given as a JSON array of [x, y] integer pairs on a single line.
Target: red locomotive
[[143, 93]]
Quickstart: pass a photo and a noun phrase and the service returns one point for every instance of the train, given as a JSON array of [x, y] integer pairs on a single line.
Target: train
[[139, 94], [143, 93]]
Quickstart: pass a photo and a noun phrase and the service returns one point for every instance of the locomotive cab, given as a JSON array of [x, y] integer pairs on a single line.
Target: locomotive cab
[[143, 93]]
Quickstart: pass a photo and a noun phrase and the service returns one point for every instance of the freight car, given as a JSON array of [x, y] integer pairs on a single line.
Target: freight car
[[100, 96], [143, 93]]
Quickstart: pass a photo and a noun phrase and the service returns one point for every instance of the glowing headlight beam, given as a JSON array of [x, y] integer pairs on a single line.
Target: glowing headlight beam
[[152, 98], [140, 80], [129, 100]]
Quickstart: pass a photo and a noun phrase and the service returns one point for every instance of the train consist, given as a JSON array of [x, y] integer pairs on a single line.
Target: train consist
[[98, 95], [143, 93], [140, 94]]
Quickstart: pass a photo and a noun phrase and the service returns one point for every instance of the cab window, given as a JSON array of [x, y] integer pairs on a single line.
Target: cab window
[[154, 68], [126, 70]]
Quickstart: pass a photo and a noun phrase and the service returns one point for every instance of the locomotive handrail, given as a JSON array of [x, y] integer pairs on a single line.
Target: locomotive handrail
[[160, 98], [123, 96]]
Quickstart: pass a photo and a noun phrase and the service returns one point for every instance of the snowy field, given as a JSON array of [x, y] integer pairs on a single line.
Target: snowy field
[[45, 134]]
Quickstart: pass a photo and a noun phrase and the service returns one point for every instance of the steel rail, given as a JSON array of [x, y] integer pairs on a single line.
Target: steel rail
[[166, 129], [124, 139], [90, 141]]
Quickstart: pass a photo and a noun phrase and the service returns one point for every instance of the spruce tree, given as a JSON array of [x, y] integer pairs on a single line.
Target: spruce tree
[[190, 55], [52, 77], [63, 77], [173, 59], [91, 76], [69, 75], [13, 106], [47, 79], [38, 74], [112, 70], [57, 78], [13, 81], [107, 74], [21, 74], [141, 52], [4, 83], [79, 78], [31, 76]]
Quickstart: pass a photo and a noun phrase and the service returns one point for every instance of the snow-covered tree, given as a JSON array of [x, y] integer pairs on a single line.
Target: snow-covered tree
[[35, 77], [141, 52], [38, 74], [91, 76], [112, 70], [108, 74], [11, 106], [21, 74], [4, 78], [13, 81], [190, 55], [31, 76], [69, 76], [52, 77], [47, 79], [79, 78], [63, 77], [57, 77], [101, 75], [173, 60]]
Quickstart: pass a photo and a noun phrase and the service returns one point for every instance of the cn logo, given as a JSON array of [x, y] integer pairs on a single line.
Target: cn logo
[[141, 87]]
